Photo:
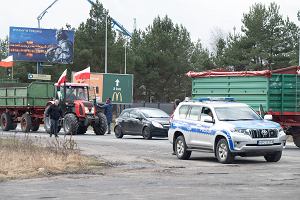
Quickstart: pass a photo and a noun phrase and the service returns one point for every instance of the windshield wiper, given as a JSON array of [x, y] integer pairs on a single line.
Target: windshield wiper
[[245, 119], [228, 120]]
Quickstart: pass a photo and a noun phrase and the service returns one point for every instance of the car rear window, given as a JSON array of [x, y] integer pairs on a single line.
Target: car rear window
[[183, 110]]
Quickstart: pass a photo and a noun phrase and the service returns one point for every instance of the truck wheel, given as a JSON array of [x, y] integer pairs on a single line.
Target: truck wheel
[[223, 153], [26, 123], [118, 132], [296, 140], [147, 133], [273, 157], [5, 121], [47, 122], [181, 149], [82, 130], [71, 124], [13, 126], [101, 126], [35, 124]]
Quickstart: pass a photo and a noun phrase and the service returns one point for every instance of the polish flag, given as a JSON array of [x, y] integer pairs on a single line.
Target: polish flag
[[7, 62], [82, 75], [62, 78]]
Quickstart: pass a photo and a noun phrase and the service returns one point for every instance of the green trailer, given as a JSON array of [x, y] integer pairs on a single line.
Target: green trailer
[[24, 103], [276, 93]]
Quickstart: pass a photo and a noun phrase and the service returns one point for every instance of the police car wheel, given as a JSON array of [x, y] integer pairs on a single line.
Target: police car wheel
[[223, 153], [273, 157], [181, 149]]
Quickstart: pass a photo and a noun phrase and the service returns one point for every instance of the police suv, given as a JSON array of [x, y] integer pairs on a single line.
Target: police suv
[[225, 128]]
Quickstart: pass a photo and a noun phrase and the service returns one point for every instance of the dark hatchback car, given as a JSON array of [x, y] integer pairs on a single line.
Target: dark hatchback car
[[147, 122]]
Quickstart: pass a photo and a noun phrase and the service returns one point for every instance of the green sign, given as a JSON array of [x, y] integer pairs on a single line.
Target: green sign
[[44, 77], [118, 87]]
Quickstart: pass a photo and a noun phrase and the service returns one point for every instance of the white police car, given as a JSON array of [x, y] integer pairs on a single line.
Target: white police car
[[225, 128]]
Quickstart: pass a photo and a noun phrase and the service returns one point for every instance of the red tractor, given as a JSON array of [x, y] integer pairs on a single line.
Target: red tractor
[[79, 113]]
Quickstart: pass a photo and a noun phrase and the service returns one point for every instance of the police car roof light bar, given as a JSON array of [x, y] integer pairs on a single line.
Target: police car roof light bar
[[201, 99]]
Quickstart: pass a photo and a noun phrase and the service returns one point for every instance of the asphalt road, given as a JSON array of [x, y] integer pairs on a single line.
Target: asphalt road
[[143, 169]]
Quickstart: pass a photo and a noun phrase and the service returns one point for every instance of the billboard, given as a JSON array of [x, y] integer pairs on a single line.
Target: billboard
[[41, 45]]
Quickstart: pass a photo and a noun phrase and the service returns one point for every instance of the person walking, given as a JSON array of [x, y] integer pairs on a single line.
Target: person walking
[[108, 109], [55, 113]]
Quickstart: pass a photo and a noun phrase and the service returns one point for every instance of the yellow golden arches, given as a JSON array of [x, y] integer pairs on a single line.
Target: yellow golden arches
[[116, 96]]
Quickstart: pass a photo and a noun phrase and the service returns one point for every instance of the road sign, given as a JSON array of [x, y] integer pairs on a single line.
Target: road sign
[[44, 77], [118, 87]]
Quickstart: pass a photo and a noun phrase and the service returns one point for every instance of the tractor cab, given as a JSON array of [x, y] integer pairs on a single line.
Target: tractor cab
[[71, 92]]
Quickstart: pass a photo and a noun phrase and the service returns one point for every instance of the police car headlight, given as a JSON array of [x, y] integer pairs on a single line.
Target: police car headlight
[[243, 131], [86, 109], [92, 110], [281, 131], [157, 125]]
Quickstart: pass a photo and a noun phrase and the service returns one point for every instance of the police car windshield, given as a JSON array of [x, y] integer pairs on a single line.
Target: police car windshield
[[239, 113]]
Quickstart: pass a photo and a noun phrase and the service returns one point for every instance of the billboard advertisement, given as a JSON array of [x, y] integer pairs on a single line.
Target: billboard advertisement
[[41, 45]]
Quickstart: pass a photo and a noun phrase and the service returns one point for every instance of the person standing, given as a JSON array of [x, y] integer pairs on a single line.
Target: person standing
[[108, 109], [54, 112]]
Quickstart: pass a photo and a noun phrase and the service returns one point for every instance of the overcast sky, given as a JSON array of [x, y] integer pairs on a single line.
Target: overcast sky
[[200, 17]]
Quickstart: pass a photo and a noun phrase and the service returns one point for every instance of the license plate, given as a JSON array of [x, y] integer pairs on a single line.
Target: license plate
[[265, 142]]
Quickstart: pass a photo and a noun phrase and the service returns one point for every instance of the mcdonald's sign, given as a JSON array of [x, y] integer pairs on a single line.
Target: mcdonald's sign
[[119, 87], [117, 97]]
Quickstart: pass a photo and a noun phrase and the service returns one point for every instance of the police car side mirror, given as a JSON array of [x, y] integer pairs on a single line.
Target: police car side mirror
[[268, 117]]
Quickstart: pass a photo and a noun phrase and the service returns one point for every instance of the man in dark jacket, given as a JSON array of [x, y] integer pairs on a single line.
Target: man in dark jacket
[[54, 112], [108, 108]]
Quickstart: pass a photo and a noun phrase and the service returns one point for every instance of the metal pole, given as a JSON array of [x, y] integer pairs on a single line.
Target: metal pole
[[298, 15], [106, 43], [125, 59], [38, 64]]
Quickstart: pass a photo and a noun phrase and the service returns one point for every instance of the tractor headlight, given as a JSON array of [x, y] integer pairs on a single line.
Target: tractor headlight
[[87, 110]]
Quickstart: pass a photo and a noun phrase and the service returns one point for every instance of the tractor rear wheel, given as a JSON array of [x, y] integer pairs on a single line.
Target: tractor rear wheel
[[100, 127], [5, 121], [71, 124], [26, 123]]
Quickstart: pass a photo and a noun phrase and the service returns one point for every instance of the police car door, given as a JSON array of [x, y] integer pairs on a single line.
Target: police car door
[[206, 129], [193, 118]]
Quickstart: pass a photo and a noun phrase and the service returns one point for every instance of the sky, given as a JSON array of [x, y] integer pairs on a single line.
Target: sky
[[202, 18]]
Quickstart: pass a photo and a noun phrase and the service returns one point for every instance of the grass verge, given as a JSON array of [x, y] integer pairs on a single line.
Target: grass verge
[[30, 157]]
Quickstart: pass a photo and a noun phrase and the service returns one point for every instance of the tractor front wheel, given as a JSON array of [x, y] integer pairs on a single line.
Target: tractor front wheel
[[100, 126], [70, 124]]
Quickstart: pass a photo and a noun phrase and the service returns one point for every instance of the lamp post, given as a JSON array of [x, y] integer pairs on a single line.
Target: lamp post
[[125, 70], [106, 43], [39, 69], [298, 15]]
